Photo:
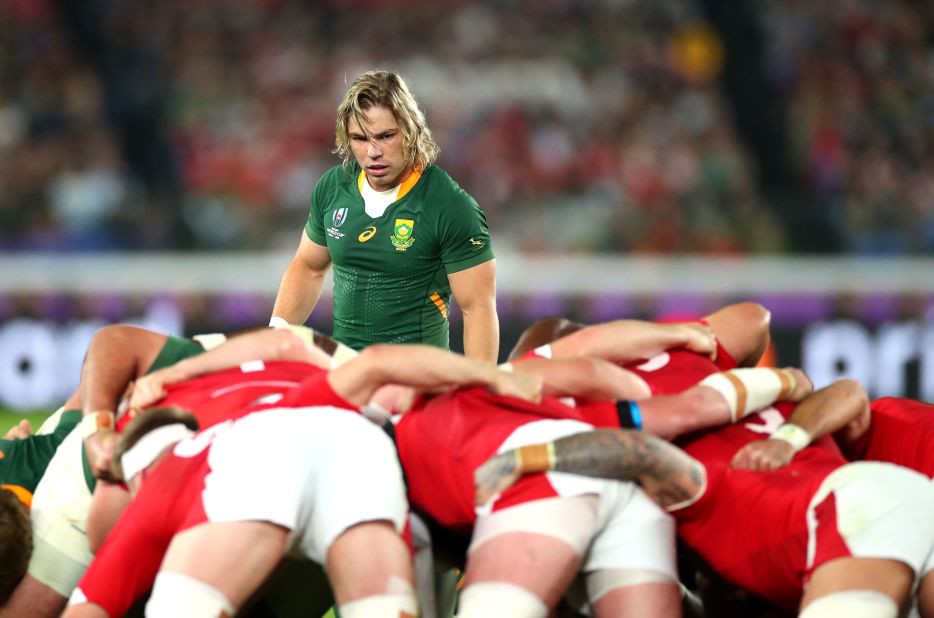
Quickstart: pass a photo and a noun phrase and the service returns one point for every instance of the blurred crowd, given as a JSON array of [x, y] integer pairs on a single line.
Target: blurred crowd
[[593, 127], [858, 77]]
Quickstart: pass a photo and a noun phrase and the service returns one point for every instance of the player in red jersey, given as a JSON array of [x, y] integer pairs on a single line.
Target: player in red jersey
[[856, 534], [117, 355], [220, 584], [900, 431], [629, 566]]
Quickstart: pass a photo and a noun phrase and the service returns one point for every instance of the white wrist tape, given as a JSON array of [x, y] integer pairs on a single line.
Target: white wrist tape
[[277, 322], [794, 435]]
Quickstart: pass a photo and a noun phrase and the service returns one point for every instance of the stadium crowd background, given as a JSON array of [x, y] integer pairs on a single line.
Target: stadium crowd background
[[636, 127], [604, 126]]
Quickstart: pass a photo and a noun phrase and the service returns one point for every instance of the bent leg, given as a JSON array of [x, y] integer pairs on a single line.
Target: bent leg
[[633, 593], [860, 587], [370, 569], [524, 557], [884, 516], [242, 555], [525, 572]]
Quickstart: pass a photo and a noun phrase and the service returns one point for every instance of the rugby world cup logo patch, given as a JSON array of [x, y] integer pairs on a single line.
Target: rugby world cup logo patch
[[339, 216]]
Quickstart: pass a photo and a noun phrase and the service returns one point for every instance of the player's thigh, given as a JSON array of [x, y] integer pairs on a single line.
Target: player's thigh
[[879, 510], [234, 558], [537, 546]]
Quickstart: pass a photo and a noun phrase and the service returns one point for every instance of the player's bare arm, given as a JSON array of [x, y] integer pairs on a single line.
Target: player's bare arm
[[33, 599], [474, 291], [116, 356], [667, 474], [424, 367], [743, 331], [842, 405], [300, 287], [85, 610], [586, 379], [263, 344], [622, 341]]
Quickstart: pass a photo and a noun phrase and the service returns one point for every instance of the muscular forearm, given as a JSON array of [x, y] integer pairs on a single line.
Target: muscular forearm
[[116, 355], [481, 333], [585, 378], [264, 344], [428, 367], [843, 404], [299, 292], [831, 408], [33, 599], [622, 340]]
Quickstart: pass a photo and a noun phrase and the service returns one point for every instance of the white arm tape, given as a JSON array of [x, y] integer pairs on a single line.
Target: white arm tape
[[794, 435]]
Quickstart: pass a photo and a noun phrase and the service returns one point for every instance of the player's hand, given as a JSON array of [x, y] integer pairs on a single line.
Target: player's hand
[[699, 338], [803, 384], [526, 386], [19, 431], [764, 455], [99, 447], [149, 389], [496, 475]]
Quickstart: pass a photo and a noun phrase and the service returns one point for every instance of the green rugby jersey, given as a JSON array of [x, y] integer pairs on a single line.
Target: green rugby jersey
[[390, 272], [23, 462]]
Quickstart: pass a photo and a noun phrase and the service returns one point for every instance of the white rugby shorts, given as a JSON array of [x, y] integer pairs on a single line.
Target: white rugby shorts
[[316, 471]]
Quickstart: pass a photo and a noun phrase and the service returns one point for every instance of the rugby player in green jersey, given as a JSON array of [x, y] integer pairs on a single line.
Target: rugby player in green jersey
[[402, 235], [23, 460]]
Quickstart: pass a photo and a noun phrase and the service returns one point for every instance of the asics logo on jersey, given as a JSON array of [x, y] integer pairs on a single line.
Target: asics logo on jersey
[[367, 234]]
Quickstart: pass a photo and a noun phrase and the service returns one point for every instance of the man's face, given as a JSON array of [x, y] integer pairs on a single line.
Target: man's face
[[377, 148]]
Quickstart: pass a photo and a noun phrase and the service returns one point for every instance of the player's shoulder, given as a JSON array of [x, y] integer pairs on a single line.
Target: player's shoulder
[[338, 175], [439, 187]]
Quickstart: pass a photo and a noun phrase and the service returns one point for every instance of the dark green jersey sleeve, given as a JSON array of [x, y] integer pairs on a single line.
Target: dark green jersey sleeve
[[173, 350], [320, 200], [24, 461], [463, 233]]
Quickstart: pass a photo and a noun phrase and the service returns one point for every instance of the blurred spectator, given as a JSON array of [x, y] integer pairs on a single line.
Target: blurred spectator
[[579, 126], [859, 80]]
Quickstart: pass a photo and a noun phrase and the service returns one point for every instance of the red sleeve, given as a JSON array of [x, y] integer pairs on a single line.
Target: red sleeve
[[126, 565], [315, 391]]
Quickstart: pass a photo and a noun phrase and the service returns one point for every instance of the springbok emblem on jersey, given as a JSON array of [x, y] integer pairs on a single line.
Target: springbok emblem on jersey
[[340, 215], [402, 237]]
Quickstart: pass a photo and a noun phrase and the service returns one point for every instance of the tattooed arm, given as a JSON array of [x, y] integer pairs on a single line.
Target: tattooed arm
[[667, 474]]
